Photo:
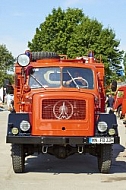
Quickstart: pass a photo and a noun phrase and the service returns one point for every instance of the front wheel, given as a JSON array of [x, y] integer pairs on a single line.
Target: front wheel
[[18, 158], [104, 158], [119, 111]]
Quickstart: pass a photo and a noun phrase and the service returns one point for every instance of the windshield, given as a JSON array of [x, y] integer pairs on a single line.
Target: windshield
[[54, 77], [45, 77], [78, 77]]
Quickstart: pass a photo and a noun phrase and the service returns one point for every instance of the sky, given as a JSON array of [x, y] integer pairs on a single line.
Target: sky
[[20, 18]]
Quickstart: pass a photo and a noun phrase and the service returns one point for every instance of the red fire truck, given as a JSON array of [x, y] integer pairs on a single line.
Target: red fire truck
[[119, 97], [59, 109]]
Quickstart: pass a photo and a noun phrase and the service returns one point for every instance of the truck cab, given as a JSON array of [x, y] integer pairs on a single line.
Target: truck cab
[[59, 109]]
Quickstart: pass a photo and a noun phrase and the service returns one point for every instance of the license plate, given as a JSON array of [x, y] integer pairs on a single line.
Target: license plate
[[101, 140]]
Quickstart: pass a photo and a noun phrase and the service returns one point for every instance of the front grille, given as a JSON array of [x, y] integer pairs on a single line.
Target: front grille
[[64, 109]]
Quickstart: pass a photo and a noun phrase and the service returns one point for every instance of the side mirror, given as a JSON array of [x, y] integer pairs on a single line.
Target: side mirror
[[114, 86]]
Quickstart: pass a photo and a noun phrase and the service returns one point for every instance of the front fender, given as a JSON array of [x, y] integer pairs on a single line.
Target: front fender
[[14, 120], [110, 119]]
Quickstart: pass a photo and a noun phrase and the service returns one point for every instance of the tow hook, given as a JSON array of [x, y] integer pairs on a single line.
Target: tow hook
[[80, 149], [44, 149]]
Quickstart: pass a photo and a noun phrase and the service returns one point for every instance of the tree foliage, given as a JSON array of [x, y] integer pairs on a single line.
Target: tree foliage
[[6, 64], [72, 33], [54, 34], [124, 60], [124, 63]]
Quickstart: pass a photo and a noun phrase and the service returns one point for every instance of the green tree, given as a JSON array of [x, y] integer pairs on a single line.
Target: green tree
[[124, 62], [55, 33], [72, 33], [124, 59], [6, 64]]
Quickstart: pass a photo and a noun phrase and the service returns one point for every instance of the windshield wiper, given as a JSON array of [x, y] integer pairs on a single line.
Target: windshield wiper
[[73, 79], [37, 81]]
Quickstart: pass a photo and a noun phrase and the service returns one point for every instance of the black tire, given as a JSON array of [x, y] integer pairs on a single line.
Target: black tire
[[18, 158], [119, 110], [105, 158], [44, 55]]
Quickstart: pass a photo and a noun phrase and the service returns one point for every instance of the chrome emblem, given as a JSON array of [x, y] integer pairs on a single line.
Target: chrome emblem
[[63, 109]]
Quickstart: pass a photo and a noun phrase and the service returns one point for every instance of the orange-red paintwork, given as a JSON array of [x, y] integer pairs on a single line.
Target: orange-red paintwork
[[119, 97], [124, 107], [25, 99]]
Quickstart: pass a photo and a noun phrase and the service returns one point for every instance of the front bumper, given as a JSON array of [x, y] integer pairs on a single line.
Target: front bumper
[[46, 140]]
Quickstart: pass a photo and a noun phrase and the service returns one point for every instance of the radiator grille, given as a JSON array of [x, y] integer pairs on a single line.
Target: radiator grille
[[72, 109]]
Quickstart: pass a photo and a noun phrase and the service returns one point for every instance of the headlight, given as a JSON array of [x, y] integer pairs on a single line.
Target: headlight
[[102, 126], [24, 126], [23, 60]]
